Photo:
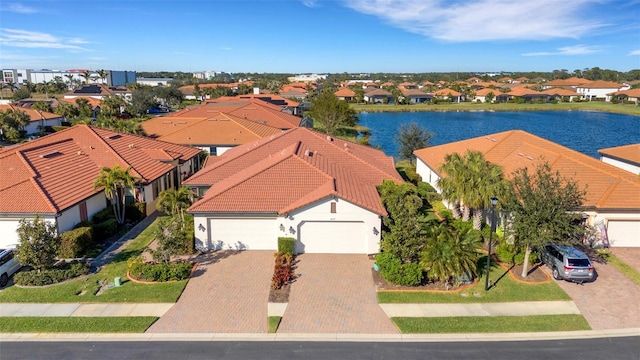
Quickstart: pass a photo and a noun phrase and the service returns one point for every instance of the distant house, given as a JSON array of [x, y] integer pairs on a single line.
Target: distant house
[[609, 200], [599, 90], [561, 93], [449, 94], [632, 95], [570, 84], [99, 92], [481, 94], [526, 94], [346, 94], [378, 96], [37, 119], [415, 96], [53, 176], [315, 188], [625, 157]]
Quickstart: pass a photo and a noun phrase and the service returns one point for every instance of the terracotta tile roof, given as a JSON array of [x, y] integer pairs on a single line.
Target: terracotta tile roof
[[560, 92], [601, 84], [54, 172], [92, 101], [572, 81], [524, 91], [608, 187], [486, 91], [629, 153], [344, 92], [217, 129], [377, 92], [413, 92], [34, 115], [630, 93], [447, 92], [284, 172]]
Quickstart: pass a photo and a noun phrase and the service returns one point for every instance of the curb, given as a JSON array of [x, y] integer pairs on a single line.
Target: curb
[[74, 337]]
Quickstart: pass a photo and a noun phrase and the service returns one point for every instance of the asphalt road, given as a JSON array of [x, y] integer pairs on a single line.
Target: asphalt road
[[619, 348]]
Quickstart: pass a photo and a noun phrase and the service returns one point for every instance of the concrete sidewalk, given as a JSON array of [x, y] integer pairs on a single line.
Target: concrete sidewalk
[[84, 309], [524, 308]]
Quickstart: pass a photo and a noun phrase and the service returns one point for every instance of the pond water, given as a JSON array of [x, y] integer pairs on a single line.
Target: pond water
[[584, 131]]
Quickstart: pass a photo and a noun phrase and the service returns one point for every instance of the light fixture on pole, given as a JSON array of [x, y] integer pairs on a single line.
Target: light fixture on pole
[[494, 201]]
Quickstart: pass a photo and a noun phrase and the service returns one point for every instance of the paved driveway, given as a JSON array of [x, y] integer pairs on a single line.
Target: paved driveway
[[610, 302], [229, 294], [334, 293]]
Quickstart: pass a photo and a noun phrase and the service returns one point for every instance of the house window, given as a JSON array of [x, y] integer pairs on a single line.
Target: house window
[[333, 207], [213, 150], [154, 188], [84, 216]]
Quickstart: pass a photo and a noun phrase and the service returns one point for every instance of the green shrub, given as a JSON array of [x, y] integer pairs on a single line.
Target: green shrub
[[412, 175], [462, 226], [159, 272], [283, 271], [86, 223], [58, 274], [74, 243], [105, 229], [286, 245], [103, 215], [510, 254], [136, 211], [394, 271]]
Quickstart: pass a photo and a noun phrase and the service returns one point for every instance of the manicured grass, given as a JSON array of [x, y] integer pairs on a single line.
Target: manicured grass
[[272, 323], [628, 271], [84, 290], [136, 324], [467, 106], [506, 289], [491, 324]]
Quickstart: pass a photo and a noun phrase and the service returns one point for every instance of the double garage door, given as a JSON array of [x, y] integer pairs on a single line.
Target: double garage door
[[331, 237], [623, 233]]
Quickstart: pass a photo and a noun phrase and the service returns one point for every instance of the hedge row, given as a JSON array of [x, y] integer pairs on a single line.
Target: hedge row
[[160, 272], [53, 276], [393, 270]]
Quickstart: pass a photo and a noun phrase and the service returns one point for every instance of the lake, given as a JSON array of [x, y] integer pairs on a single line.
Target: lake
[[584, 131]]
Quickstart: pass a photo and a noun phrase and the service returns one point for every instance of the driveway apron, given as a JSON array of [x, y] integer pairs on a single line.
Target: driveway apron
[[334, 293], [228, 294], [610, 302]]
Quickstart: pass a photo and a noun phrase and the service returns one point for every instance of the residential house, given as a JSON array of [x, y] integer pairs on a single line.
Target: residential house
[[99, 92], [346, 94], [609, 199], [53, 176], [526, 94], [631, 95], [37, 119], [625, 157], [481, 94], [303, 184], [599, 90], [449, 94], [377, 96], [570, 84], [561, 93], [415, 96]]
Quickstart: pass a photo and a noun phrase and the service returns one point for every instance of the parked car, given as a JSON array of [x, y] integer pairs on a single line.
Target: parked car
[[567, 263], [8, 265]]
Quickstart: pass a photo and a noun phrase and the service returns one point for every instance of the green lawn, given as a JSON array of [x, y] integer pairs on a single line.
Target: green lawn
[[272, 323], [76, 324], [624, 268], [84, 290], [491, 324], [506, 289], [467, 106]]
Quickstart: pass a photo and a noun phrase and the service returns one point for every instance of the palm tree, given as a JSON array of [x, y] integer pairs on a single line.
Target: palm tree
[[450, 254], [103, 75], [70, 78], [86, 75], [450, 185], [115, 182], [175, 202]]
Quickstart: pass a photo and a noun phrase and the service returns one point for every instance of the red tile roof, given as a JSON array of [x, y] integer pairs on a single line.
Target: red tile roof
[[344, 92], [34, 115], [572, 81], [608, 187], [601, 84], [54, 172], [284, 172], [629, 153], [447, 92], [560, 92]]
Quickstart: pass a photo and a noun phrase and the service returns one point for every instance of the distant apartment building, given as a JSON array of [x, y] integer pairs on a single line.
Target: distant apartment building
[[207, 75], [307, 78], [75, 76], [154, 81]]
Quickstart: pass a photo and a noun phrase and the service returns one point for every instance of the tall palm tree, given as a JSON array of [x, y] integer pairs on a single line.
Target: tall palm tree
[[450, 254], [115, 182], [451, 184], [86, 75], [103, 75], [70, 78], [175, 202]]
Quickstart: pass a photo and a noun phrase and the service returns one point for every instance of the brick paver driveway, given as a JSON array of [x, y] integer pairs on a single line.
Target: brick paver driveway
[[610, 302], [631, 256], [228, 294], [334, 293]]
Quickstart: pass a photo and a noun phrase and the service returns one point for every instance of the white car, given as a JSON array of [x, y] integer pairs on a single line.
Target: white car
[[8, 265]]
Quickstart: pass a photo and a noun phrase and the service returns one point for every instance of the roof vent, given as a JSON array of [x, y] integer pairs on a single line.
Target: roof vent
[[80, 152], [51, 154], [520, 154], [530, 157], [132, 145], [308, 153], [114, 136], [329, 138]]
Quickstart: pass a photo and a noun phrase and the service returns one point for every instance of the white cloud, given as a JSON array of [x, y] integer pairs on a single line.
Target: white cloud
[[635, 53], [20, 9], [568, 50], [482, 20], [34, 39], [309, 3]]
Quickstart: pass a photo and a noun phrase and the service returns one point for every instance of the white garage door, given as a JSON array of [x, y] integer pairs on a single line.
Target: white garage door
[[624, 233], [332, 237], [243, 233], [8, 234]]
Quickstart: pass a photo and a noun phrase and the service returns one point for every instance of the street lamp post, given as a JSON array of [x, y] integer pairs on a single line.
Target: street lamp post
[[494, 201]]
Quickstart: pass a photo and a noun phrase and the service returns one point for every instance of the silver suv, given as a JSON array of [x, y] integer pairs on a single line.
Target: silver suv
[[8, 265], [567, 263]]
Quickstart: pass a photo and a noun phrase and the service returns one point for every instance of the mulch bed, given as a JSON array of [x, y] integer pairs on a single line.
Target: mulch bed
[[536, 275], [280, 295]]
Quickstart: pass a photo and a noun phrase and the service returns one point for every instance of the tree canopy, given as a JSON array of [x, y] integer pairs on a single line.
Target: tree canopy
[[542, 209], [331, 112], [115, 182], [411, 137], [38, 243]]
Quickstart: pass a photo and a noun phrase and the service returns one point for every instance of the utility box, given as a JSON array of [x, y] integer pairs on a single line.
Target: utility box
[[117, 281]]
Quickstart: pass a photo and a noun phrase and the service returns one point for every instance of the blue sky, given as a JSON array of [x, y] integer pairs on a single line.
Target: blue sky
[[306, 36]]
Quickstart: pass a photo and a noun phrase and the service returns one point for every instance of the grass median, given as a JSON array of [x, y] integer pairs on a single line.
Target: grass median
[[85, 289], [132, 324], [491, 324]]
